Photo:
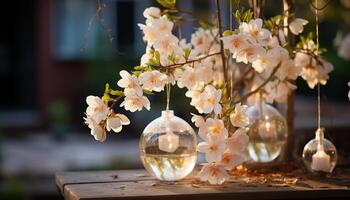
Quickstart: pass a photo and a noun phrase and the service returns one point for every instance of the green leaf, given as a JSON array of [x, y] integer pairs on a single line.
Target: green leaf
[[167, 3], [136, 73], [227, 33], [203, 24], [116, 92], [139, 68], [172, 57], [187, 53], [157, 56], [153, 62], [148, 92], [106, 98]]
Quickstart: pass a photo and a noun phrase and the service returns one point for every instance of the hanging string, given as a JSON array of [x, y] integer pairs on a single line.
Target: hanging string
[[231, 16], [168, 90], [318, 84]]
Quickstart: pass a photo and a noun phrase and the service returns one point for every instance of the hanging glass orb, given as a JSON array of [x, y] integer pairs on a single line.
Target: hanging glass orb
[[267, 132], [168, 147], [320, 155]]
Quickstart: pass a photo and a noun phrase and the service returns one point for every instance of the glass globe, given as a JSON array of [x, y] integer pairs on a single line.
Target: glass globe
[[168, 147], [267, 132], [320, 155]]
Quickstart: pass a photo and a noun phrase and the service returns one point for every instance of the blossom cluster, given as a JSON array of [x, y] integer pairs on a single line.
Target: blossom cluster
[[223, 151], [252, 44], [199, 67]]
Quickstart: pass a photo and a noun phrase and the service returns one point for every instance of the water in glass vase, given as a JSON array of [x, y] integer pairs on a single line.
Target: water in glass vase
[[266, 139], [168, 147], [169, 167]]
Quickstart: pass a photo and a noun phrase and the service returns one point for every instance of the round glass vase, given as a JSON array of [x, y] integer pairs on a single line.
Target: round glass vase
[[320, 155], [168, 147], [267, 132]]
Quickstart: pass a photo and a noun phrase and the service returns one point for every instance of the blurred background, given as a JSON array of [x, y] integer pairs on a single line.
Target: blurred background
[[53, 53]]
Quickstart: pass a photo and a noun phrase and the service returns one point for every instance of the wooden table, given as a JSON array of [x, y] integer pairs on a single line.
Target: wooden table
[[137, 184]]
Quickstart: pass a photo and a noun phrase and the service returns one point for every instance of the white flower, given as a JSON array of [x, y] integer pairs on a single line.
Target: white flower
[[255, 30], [279, 53], [297, 26], [263, 62], [213, 127], [278, 91], [249, 54], [196, 101], [167, 44], [238, 141], [153, 80], [314, 73], [96, 109], [96, 130], [188, 78], [213, 148], [201, 40], [230, 160], [344, 48], [213, 173], [288, 70], [197, 120], [156, 29], [151, 12], [135, 103], [239, 117], [116, 121], [130, 83], [211, 100], [302, 59], [235, 42]]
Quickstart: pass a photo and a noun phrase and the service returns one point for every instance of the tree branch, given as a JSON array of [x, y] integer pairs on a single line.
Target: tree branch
[[175, 65], [260, 86], [222, 50]]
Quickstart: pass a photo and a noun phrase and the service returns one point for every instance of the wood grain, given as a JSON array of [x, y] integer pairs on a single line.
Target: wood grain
[[136, 184]]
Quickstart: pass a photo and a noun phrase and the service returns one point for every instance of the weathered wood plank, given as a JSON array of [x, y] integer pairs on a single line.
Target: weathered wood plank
[[130, 185], [66, 178]]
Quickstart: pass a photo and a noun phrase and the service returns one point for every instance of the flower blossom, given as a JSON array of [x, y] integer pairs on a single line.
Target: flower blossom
[[344, 48], [254, 29], [213, 173], [96, 130], [153, 80], [278, 91], [96, 109], [135, 103], [213, 147], [213, 127], [197, 120], [130, 83], [116, 121], [238, 141], [297, 26], [239, 117], [151, 12]]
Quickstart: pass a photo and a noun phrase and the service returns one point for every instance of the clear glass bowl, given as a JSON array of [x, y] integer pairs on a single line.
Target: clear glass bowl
[[310, 150], [168, 147], [267, 132]]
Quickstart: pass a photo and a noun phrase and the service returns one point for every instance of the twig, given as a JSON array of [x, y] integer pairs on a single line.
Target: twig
[[115, 102], [175, 65], [258, 88], [222, 50]]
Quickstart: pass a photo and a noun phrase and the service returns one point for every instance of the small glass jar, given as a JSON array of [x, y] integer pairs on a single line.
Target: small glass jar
[[168, 147], [267, 132], [319, 154]]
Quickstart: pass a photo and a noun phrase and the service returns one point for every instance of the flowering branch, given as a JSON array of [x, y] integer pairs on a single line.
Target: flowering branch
[[175, 65], [260, 86], [222, 50]]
